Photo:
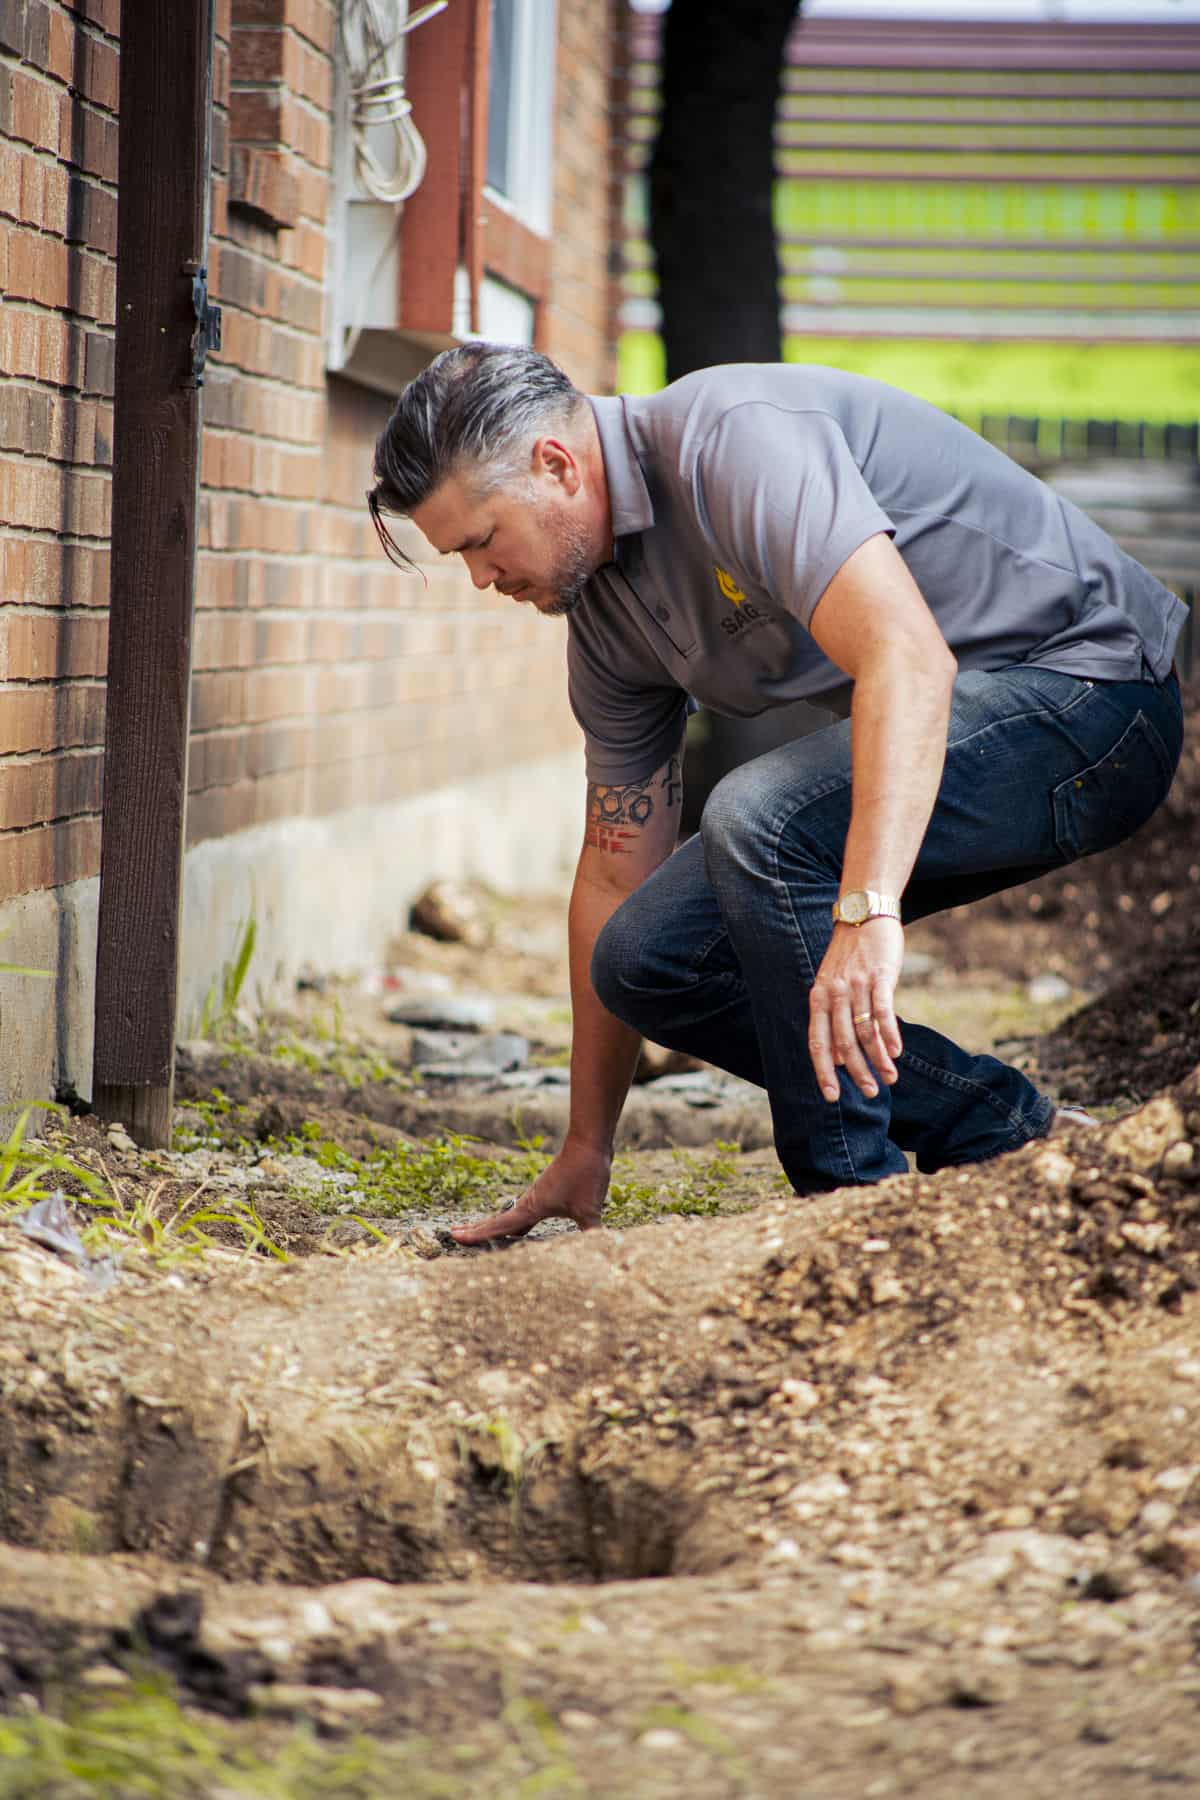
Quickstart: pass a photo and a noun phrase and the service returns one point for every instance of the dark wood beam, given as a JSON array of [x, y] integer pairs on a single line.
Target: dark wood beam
[[162, 238]]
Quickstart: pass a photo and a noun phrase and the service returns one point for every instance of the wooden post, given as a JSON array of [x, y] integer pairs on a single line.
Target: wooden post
[[162, 320]]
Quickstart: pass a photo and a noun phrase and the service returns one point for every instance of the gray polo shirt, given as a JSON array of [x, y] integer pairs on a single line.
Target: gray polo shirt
[[738, 493]]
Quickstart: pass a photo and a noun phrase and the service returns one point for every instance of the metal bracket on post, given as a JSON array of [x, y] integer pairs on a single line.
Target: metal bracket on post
[[207, 335]]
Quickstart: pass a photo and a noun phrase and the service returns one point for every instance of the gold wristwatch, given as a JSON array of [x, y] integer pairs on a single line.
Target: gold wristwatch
[[861, 904]]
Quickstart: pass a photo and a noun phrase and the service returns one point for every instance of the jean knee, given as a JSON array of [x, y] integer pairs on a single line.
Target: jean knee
[[617, 963], [730, 817], [740, 823]]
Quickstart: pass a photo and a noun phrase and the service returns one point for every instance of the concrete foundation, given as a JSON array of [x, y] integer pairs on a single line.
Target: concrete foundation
[[329, 892]]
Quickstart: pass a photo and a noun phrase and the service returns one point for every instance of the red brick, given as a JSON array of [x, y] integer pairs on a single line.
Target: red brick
[[60, 59], [53, 787], [49, 856], [279, 640], [42, 572], [104, 13], [274, 748], [221, 74], [40, 646], [88, 140], [218, 700], [278, 694], [258, 53], [37, 111], [264, 183], [256, 115], [221, 641], [216, 759], [314, 19], [48, 497], [50, 716], [102, 74]]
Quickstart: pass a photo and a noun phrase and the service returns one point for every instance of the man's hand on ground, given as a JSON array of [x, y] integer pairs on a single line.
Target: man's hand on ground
[[851, 1010], [573, 1186]]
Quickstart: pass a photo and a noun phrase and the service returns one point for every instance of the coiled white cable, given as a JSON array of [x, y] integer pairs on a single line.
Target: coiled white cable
[[371, 39]]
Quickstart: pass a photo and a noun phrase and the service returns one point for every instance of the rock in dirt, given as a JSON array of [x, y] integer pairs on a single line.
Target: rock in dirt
[[458, 1057], [1144, 1138], [1047, 989], [451, 913], [445, 1012]]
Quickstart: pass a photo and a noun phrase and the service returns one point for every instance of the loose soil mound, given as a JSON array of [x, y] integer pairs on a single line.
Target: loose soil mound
[[905, 1455]]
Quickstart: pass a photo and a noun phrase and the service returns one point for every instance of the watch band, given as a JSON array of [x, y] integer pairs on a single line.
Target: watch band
[[861, 904]]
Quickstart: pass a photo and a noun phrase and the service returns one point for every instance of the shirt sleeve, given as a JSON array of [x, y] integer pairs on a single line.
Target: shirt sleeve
[[629, 730], [782, 500]]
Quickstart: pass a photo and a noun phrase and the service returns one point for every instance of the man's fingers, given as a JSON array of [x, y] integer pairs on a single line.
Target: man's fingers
[[832, 1041], [886, 1023], [820, 1046], [530, 1210], [511, 1223]]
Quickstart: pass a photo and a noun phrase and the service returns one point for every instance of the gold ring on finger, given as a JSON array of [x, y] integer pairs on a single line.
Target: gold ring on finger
[[863, 1018]]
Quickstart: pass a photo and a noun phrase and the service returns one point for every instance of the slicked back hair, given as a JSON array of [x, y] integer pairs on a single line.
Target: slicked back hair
[[476, 412]]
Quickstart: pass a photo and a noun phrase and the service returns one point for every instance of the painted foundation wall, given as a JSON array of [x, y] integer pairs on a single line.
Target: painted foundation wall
[[327, 892]]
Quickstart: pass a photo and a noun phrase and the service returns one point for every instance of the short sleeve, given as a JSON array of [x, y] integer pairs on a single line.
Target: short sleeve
[[629, 729], [781, 498]]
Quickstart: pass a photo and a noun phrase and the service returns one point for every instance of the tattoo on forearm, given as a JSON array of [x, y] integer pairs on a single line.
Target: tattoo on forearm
[[612, 810], [603, 837], [631, 804]]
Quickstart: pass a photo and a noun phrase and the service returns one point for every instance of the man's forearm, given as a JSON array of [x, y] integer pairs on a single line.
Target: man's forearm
[[604, 1052], [899, 721]]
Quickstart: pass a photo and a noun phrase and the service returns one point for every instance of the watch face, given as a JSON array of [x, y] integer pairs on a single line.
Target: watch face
[[854, 908]]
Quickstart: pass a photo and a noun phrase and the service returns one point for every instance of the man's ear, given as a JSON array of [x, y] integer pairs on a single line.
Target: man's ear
[[554, 461]]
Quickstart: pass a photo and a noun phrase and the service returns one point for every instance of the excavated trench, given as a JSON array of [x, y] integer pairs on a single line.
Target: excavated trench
[[297, 1426]]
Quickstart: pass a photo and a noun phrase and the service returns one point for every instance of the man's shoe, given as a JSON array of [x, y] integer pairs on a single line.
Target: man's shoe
[[1068, 1118]]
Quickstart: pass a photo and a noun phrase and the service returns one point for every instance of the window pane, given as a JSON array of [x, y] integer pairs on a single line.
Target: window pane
[[501, 84]]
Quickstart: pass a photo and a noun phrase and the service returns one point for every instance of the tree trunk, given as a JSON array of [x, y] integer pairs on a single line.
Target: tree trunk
[[711, 181]]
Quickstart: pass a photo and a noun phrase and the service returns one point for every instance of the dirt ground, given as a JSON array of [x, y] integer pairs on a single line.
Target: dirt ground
[[893, 1492]]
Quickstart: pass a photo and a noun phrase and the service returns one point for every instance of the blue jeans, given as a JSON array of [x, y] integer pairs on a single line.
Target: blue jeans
[[716, 953]]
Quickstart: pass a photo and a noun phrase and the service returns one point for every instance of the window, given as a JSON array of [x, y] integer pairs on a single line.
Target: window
[[520, 108], [466, 250]]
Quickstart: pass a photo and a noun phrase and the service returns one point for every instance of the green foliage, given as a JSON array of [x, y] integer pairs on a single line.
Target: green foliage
[[31, 1170], [544, 1744], [350, 1063], [698, 1187], [701, 1731], [218, 1016], [738, 1678], [144, 1744], [436, 1175], [141, 1744], [211, 1124]]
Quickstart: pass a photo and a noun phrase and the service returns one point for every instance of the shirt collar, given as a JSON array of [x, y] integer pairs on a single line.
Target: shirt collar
[[628, 495]]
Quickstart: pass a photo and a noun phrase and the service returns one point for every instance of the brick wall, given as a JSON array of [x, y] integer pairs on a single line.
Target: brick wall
[[323, 678], [58, 225]]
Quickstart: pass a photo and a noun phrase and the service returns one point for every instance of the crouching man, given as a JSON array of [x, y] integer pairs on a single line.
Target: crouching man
[[750, 536]]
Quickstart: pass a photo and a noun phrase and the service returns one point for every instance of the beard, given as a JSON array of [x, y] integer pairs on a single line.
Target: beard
[[572, 568]]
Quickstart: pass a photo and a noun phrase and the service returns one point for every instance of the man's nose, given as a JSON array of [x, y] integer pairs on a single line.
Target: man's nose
[[480, 568]]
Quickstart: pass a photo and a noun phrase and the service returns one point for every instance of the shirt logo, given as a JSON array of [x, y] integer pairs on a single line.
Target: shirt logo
[[729, 586], [745, 614]]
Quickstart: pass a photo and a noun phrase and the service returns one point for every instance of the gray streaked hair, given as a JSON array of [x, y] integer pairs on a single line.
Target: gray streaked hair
[[475, 411]]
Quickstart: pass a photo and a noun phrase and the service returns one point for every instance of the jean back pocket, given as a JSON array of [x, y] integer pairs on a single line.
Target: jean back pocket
[[1106, 802]]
